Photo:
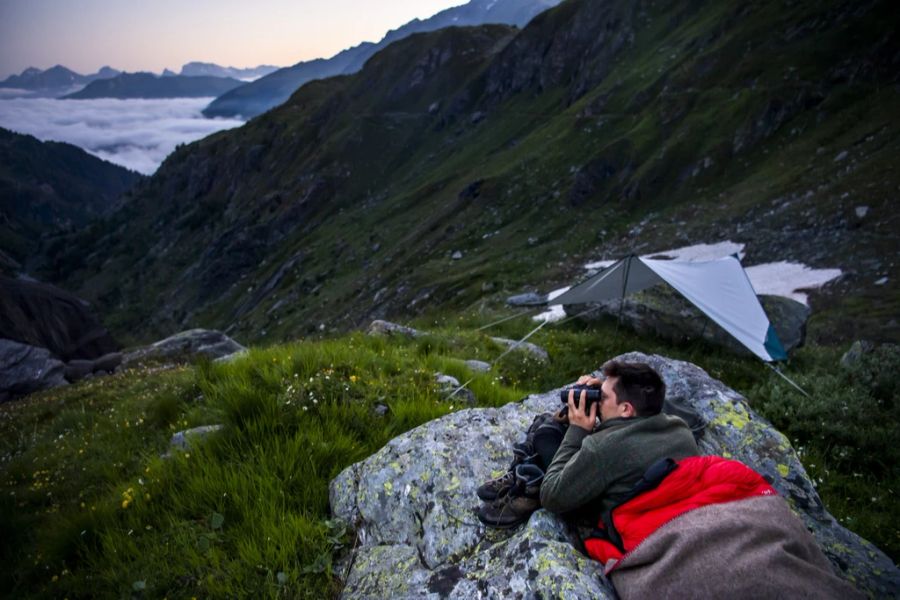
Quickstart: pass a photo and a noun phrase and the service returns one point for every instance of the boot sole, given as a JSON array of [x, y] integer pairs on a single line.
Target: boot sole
[[503, 525]]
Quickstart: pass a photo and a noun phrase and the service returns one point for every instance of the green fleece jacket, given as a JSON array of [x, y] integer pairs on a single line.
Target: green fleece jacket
[[603, 466]]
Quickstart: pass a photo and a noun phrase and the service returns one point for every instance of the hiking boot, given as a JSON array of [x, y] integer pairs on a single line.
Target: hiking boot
[[495, 488], [523, 452], [522, 499]]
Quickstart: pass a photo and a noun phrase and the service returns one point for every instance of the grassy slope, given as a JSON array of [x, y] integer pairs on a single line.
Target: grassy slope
[[89, 508]]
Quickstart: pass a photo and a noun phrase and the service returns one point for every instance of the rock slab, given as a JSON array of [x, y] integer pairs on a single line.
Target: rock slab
[[412, 504], [193, 342], [25, 369], [43, 315]]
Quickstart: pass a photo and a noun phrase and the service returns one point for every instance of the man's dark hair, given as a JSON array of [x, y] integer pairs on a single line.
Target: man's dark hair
[[638, 384]]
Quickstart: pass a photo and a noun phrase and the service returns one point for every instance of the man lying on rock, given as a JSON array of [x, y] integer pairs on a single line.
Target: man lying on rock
[[669, 522]]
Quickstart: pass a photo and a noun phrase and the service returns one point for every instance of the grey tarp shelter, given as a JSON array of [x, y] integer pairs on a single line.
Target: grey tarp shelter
[[720, 288]]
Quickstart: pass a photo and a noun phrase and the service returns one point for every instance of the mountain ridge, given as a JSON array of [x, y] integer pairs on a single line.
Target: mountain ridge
[[269, 91], [148, 85], [55, 77], [199, 68], [47, 185]]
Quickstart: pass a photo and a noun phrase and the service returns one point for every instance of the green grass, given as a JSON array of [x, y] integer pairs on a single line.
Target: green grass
[[89, 508]]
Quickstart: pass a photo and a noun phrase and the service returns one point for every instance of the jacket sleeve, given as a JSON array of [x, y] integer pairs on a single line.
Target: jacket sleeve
[[573, 478]]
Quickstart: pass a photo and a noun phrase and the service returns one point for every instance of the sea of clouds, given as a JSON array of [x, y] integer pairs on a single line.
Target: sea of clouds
[[137, 134]]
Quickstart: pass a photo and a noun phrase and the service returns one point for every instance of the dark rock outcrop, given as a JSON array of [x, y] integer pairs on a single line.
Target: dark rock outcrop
[[185, 345], [42, 315], [411, 504], [80, 369], [25, 369]]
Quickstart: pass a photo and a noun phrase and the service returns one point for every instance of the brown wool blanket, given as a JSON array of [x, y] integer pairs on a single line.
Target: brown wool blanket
[[754, 549]]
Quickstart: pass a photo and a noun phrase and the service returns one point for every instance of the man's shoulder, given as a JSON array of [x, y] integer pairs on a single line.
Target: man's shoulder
[[616, 433]]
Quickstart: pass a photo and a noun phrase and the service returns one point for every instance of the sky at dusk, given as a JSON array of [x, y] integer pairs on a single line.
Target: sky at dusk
[[149, 35]]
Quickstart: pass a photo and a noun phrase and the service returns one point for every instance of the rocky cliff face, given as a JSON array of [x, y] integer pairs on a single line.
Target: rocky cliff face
[[412, 504], [47, 317]]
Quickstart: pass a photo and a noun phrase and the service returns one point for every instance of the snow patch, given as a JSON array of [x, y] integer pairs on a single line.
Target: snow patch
[[697, 252], [787, 279], [701, 252], [556, 312], [600, 264]]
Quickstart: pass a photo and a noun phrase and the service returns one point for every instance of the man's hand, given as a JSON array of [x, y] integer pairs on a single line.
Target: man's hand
[[577, 415], [589, 380]]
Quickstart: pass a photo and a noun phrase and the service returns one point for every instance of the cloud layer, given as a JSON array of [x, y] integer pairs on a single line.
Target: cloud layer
[[137, 134]]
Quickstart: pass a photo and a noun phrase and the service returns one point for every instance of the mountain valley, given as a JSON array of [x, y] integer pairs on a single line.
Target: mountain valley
[[525, 153]]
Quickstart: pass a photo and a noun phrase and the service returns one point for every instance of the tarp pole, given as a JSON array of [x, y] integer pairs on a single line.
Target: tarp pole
[[628, 260]]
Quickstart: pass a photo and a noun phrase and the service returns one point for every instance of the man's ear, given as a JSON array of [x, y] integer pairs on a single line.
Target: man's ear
[[626, 409]]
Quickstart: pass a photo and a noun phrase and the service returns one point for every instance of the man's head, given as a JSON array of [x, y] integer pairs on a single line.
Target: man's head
[[630, 390]]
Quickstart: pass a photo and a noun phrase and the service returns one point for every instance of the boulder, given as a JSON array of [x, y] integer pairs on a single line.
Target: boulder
[[412, 504], [446, 381], [788, 317], [528, 299], [187, 344], [184, 440], [663, 312], [108, 362], [379, 327], [450, 389], [478, 366], [78, 369], [855, 354], [532, 349], [25, 369], [42, 315]]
